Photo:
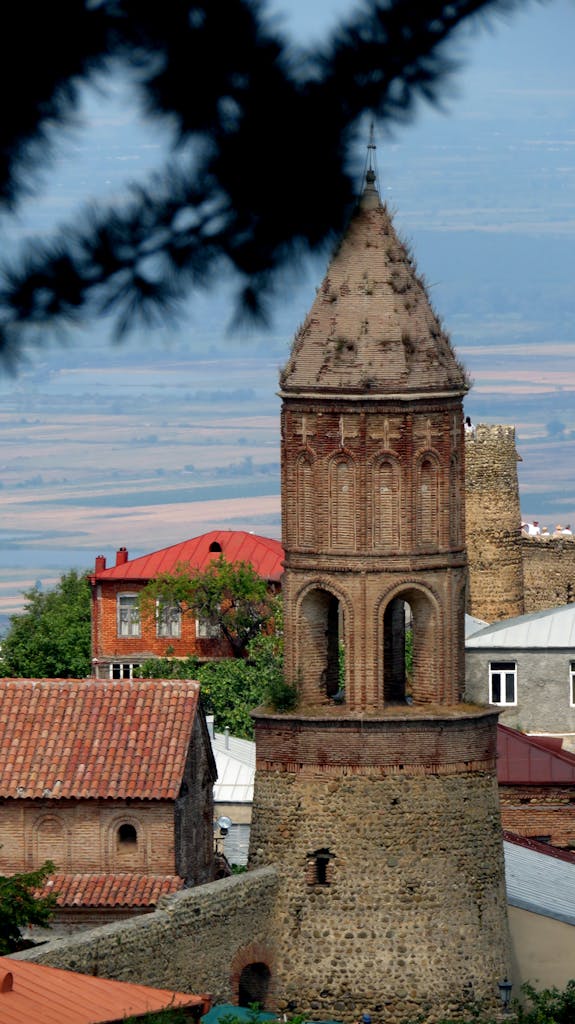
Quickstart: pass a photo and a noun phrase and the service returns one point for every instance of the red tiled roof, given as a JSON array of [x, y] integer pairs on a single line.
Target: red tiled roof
[[125, 889], [95, 738], [264, 553], [34, 992], [526, 760]]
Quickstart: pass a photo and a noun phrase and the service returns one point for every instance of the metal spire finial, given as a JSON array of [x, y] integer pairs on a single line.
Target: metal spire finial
[[370, 174]]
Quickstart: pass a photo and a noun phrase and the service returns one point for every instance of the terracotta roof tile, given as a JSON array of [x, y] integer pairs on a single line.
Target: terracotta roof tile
[[93, 738], [124, 889], [264, 553]]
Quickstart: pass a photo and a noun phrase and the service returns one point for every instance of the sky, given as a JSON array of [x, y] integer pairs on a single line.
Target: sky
[[177, 431]]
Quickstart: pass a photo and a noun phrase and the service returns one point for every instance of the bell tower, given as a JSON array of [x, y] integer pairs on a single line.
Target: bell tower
[[376, 796]]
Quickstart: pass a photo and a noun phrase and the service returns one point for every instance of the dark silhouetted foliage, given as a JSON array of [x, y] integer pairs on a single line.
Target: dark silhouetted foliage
[[261, 168]]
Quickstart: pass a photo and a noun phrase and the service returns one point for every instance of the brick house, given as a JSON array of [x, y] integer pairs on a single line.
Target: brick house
[[113, 782], [122, 639], [536, 787]]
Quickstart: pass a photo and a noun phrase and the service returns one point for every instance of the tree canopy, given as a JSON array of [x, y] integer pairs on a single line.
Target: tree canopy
[[254, 123], [229, 596], [51, 637], [20, 906]]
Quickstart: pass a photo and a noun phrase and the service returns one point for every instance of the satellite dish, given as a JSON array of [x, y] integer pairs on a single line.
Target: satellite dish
[[224, 824]]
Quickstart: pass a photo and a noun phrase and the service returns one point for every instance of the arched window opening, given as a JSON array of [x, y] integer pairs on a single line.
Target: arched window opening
[[127, 835], [305, 503], [323, 664], [215, 546], [386, 502], [342, 515], [427, 503], [397, 652], [410, 649], [254, 985]]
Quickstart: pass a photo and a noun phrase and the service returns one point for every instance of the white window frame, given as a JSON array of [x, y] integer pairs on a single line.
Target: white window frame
[[206, 630], [572, 684], [503, 669], [131, 621], [168, 620], [125, 669]]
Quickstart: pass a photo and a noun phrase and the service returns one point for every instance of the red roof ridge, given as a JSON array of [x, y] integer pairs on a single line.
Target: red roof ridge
[[547, 766], [264, 553]]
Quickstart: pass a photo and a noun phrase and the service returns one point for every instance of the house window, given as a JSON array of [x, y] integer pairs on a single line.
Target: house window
[[128, 615], [502, 682], [168, 620], [207, 630], [123, 669], [572, 684]]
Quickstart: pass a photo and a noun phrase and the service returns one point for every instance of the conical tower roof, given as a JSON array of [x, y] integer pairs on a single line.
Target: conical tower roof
[[372, 329]]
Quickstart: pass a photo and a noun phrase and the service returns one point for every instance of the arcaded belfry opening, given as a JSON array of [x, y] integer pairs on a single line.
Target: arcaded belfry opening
[[321, 648], [410, 660], [254, 985]]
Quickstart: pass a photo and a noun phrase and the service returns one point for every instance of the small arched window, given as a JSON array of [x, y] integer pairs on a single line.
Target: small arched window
[[127, 835], [215, 546]]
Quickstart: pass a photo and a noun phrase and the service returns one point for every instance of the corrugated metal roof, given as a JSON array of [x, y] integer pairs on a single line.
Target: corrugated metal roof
[[88, 738], [264, 553], [123, 889], [34, 992], [539, 879], [236, 764], [525, 760], [554, 627]]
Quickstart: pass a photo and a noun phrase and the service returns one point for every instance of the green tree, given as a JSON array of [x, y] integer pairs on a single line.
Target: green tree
[[227, 595], [51, 637], [20, 907], [217, 210], [232, 687]]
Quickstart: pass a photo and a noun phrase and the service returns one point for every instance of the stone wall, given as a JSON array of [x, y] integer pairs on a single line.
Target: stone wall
[[196, 941], [548, 571], [493, 524]]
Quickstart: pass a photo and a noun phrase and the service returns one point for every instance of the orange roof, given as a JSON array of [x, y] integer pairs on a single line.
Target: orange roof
[[125, 889], [33, 992], [263, 553], [95, 738]]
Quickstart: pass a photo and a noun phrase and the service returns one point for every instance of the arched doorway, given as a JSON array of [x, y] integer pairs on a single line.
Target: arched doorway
[[254, 984]]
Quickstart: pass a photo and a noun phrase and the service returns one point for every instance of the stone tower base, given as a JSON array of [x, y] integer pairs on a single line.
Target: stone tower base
[[391, 896]]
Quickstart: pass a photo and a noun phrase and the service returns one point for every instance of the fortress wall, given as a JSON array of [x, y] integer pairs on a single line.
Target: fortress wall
[[190, 943], [548, 571], [493, 524]]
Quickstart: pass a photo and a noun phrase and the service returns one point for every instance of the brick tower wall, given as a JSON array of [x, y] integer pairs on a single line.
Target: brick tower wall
[[409, 915], [493, 524]]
